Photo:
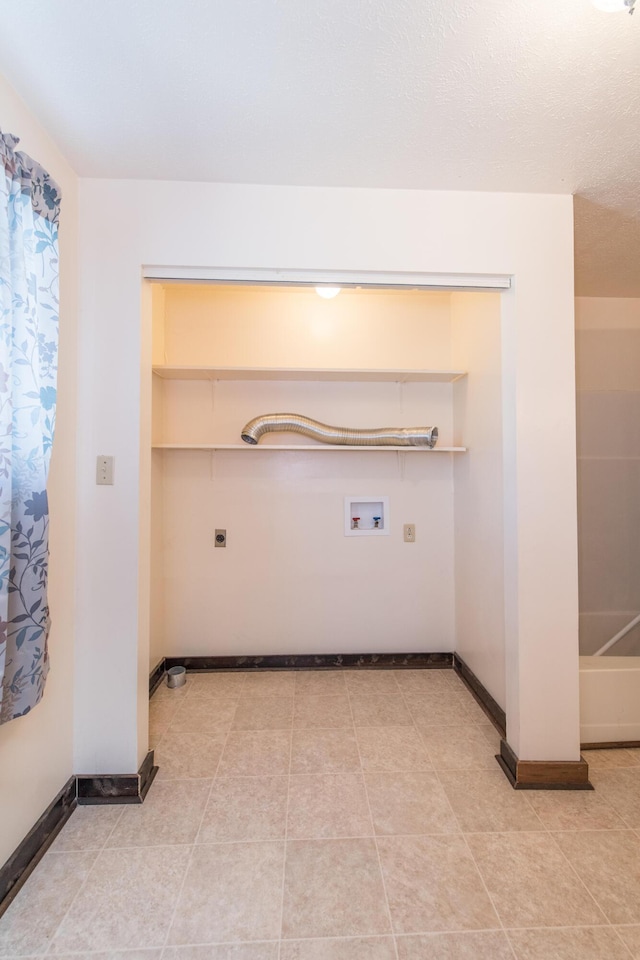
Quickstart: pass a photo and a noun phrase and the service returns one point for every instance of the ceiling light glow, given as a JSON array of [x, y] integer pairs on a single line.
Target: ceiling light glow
[[328, 292], [615, 6]]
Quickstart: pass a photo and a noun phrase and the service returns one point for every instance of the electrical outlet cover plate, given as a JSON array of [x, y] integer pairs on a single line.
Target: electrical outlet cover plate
[[220, 538], [366, 508]]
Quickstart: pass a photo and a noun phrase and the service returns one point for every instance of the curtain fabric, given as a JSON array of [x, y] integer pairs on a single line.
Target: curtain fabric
[[29, 210]]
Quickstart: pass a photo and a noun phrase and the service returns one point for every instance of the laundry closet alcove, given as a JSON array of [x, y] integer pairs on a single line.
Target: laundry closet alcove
[[289, 581]]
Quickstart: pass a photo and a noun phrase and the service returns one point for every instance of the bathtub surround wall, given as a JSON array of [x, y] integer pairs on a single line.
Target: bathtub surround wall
[[155, 223], [609, 701], [36, 750]]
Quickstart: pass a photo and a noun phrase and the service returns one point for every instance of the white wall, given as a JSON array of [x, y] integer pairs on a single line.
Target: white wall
[[289, 581], [539, 490], [294, 327], [157, 626], [154, 324], [608, 385], [478, 493], [530, 237], [36, 750]]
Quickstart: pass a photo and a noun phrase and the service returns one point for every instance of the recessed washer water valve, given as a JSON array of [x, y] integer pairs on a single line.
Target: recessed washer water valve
[[376, 522], [355, 521]]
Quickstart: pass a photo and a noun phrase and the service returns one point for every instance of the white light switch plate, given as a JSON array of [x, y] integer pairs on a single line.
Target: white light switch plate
[[104, 470]]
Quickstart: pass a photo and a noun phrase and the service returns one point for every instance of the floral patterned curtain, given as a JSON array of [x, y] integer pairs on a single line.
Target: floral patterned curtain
[[29, 208]]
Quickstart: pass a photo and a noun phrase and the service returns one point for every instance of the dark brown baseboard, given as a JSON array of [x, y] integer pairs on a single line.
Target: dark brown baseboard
[[157, 676], [129, 788], [25, 859], [490, 706], [543, 774], [612, 745], [324, 661], [118, 787]]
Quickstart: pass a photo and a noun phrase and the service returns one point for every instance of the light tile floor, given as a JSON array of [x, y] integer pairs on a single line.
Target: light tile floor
[[338, 816]]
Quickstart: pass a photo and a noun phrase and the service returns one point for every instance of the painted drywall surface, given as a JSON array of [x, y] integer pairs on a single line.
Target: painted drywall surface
[[156, 627], [540, 522], [608, 392], [157, 648], [36, 750], [478, 499], [145, 422], [156, 304], [289, 581], [275, 327], [205, 412], [216, 225]]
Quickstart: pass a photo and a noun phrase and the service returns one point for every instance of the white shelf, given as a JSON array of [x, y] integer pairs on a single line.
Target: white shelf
[[302, 447], [306, 373]]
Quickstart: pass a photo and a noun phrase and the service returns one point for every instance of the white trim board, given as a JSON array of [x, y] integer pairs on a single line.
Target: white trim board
[[342, 278], [304, 447], [169, 372]]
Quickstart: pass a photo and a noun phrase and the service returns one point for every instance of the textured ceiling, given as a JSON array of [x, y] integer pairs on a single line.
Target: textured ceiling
[[524, 95]]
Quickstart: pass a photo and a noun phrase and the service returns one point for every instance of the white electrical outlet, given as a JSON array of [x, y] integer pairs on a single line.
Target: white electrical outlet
[[104, 470], [409, 533]]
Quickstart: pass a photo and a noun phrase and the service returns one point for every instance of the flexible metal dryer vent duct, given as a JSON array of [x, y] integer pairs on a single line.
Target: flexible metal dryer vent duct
[[383, 437]]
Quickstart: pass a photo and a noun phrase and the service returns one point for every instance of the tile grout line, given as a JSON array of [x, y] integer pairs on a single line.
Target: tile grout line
[[373, 828], [606, 924], [628, 825], [194, 844], [619, 936], [166, 699], [609, 922], [384, 936], [460, 695], [475, 864], [286, 829], [99, 851], [466, 842], [545, 830], [193, 696], [361, 836], [179, 706], [616, 925], [165, 733]]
